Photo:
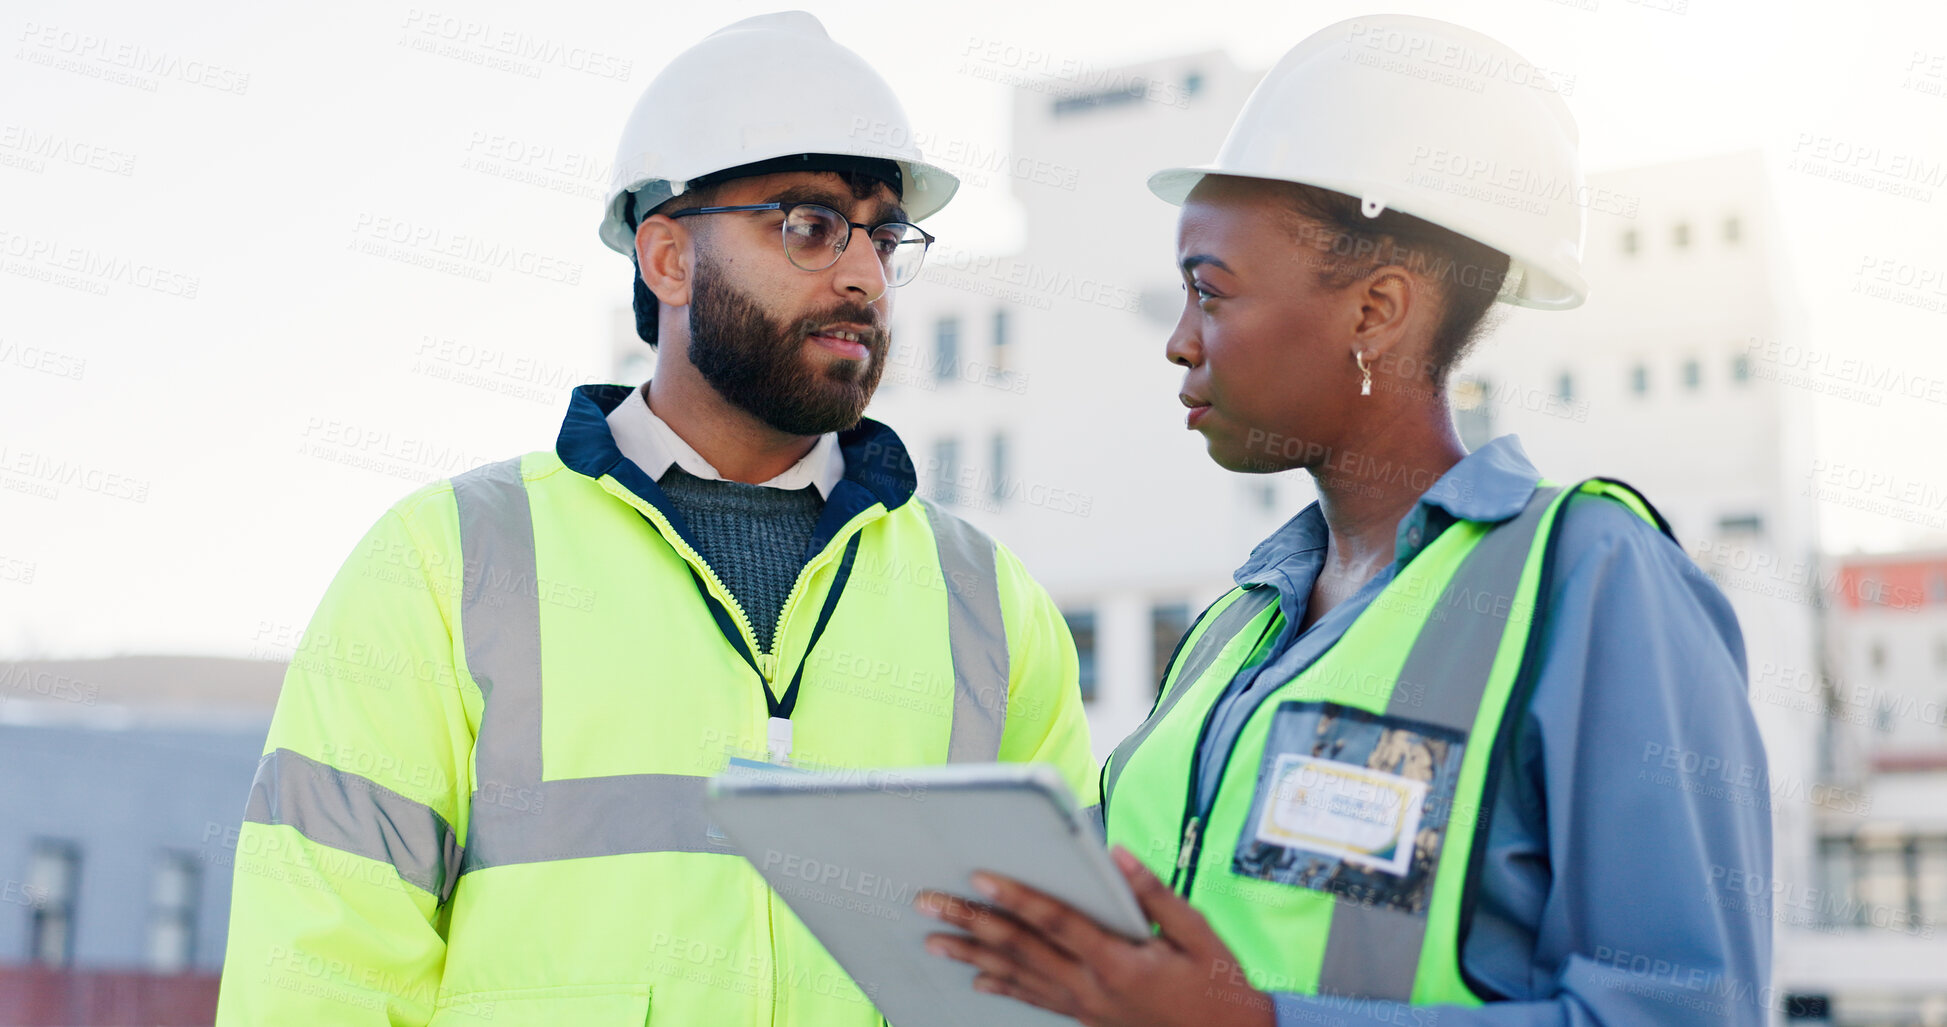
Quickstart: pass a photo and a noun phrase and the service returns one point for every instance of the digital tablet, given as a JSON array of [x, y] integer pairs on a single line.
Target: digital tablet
[[849, 851]]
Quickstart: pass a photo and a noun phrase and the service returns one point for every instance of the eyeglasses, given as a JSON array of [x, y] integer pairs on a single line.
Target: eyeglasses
[[816, 235]]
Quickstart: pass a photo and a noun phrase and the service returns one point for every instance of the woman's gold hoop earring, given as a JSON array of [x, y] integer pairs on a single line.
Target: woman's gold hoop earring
[[1365, 385]]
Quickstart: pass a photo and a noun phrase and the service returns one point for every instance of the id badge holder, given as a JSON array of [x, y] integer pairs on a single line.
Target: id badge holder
[[1353, 803]]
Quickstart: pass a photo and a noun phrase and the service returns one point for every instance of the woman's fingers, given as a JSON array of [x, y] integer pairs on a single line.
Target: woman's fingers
[[1066, 927], [1003, 972], [1182, 925]]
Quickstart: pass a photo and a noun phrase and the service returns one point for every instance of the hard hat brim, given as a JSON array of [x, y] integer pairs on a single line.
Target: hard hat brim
[[927, 189], [1560, 288]]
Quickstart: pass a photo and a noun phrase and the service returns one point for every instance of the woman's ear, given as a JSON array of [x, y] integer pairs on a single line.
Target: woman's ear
[[664, 252], [1388, 299]]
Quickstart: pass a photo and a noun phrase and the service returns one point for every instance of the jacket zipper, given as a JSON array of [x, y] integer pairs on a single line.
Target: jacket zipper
[[695, 559], [1190, 847], [767, 663], [816, 564]]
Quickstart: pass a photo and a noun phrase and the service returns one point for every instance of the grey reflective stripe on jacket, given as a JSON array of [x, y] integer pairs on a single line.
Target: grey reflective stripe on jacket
[[977, 635], [629, 813], [1227, 628], [357, 815]]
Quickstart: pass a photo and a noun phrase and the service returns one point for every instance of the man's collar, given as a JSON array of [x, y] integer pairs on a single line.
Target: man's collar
[[875, 459], [655, 447]]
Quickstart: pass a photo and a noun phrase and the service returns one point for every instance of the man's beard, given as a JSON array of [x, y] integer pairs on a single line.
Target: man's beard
[[759, 364]]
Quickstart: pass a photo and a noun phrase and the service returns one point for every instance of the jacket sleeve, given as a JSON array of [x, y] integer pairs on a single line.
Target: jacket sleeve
[[1640, 789], [349, 838], [1046, 721]]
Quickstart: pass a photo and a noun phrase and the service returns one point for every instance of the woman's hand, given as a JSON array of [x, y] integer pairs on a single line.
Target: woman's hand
[[1038, 949]]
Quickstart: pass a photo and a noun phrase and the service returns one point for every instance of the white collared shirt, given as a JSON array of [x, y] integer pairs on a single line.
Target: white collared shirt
[[654, 446]]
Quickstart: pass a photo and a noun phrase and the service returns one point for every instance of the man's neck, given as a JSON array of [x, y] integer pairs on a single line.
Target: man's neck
[[739, 446]]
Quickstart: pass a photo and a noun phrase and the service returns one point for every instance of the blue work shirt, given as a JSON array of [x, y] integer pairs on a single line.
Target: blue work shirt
[[1619, 849]]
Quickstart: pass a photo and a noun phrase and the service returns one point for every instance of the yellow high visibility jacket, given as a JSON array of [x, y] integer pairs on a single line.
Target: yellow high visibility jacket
[[481, 797]]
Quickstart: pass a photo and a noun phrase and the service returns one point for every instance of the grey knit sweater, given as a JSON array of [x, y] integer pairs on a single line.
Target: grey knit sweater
[[753, 536]]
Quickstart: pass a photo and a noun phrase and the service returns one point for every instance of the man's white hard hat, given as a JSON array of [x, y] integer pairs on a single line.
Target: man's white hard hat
[[771, 86], [1431, 119]]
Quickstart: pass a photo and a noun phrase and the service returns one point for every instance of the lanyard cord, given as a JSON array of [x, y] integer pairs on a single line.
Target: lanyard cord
[[781, 708]]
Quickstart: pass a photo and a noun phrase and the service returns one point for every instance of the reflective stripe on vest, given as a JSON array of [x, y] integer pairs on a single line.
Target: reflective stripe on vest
[[629, 813], [1467, 604], [357, 815], [1372, 951], [1225, 628]]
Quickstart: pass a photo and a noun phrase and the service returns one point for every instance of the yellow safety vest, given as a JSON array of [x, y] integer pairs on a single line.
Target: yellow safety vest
[[1339, 849]]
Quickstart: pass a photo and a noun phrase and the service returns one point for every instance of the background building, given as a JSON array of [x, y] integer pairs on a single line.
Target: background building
[[127, 779]]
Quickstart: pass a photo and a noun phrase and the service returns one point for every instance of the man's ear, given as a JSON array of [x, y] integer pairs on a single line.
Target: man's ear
[[664, 252]]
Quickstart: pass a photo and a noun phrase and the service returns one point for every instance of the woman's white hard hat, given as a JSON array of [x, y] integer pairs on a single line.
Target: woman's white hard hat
[[1431, 119]]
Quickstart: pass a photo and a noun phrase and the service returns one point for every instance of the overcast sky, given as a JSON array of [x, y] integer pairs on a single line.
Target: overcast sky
[[214, 375]]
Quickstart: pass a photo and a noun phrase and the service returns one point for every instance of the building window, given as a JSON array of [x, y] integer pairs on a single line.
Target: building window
[[946, 348], [1001, 339], [1940, 654], [1081, 624], [1930, 879], [1193, 83], [1881, 880], [998, 487], [1693, 375], [1878, 653], [172, 920], [1884, 880], [946, 465], [1680, 235], [1741, 524], [1629, 244], [1740, 369], [53, 874], [1937, 587], [1473, 414], [1565, 387], [1835, 878], [1733, 231], [1639, 380], [1167, 623]]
